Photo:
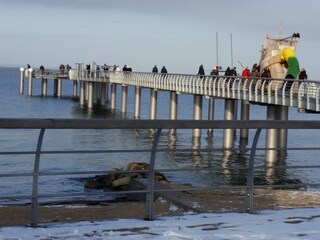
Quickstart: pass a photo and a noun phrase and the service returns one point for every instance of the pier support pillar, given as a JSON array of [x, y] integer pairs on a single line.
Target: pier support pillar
[[113, 96], [124, 98], [245, 115], [173, 109], [91, 95], [75, 89], [59, 87], [82, 94], [283, 133], [30, 83], [229, 112], [95, 91], [153, 103], [103, 94], [137, 102], [197, 114], [44, 87], [210, 113], [21, 81], [55, 87], [271, 136]]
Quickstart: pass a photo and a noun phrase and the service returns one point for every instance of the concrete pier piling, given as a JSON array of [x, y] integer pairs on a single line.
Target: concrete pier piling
[[21, 86], [197, 114], [30, 83]]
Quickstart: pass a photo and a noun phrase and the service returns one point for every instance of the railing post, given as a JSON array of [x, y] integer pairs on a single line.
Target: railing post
[[35, 182], [150, 186], [250, 177]]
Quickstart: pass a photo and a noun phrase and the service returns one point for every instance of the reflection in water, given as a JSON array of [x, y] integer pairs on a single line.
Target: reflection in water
[[196, 155], [172, 140], [275, 172]]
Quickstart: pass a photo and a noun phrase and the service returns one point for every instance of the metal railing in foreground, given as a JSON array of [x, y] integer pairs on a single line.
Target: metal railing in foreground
[[157, 126]]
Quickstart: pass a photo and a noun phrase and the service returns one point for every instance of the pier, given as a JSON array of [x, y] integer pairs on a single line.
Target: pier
[[95, 88]]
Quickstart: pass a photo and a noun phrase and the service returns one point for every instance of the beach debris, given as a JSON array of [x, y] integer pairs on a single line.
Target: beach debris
[[117, 179]]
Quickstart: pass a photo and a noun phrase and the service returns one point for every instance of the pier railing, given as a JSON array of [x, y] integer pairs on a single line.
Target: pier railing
[[304, 94], [155, 125]]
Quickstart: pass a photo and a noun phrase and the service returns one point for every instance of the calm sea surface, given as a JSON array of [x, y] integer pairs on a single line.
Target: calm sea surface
[[222, 169]]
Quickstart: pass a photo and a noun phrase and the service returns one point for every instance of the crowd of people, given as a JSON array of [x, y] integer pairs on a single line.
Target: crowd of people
[[216, 71], [246, 72]]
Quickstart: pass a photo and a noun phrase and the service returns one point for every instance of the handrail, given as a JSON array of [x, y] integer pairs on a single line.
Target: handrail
[[35, 185], [250, 180], [43, 124], [300, 93], [37, 123]]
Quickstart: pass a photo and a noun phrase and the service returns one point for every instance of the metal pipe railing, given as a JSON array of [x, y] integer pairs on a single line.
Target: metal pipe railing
[[301, 93], [43, 124]]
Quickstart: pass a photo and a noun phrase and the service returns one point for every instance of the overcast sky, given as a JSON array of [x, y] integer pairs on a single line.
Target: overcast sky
[[180, 34]]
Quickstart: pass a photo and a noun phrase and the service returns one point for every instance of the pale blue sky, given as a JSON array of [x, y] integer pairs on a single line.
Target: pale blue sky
[[180, 34]]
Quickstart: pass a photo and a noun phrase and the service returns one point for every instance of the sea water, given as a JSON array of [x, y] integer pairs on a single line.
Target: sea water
[[215, 169]]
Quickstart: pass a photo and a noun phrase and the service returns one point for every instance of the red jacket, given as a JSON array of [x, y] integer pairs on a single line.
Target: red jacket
[[246, 73]]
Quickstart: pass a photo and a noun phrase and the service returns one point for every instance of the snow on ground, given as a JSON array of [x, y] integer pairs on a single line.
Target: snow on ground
[[269, 224]]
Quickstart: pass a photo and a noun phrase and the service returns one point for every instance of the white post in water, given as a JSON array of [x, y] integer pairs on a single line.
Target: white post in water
[[82, 94], [210, 113], [173, 109], [137, 102], [228, 134], [113, 96], [103, 94], [245, 114], [271, 136], [30, 81], [21, 80], [197, 114], [124, 94], [59, 87], [153, 103], [75, 89], [44, 84]]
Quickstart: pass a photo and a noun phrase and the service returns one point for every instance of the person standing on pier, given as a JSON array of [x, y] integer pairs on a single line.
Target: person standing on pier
[[303, 74], [164, 70], [62, 68], [215, 71], [155, 69], [246, 73], [201, 71], [41, 69]]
